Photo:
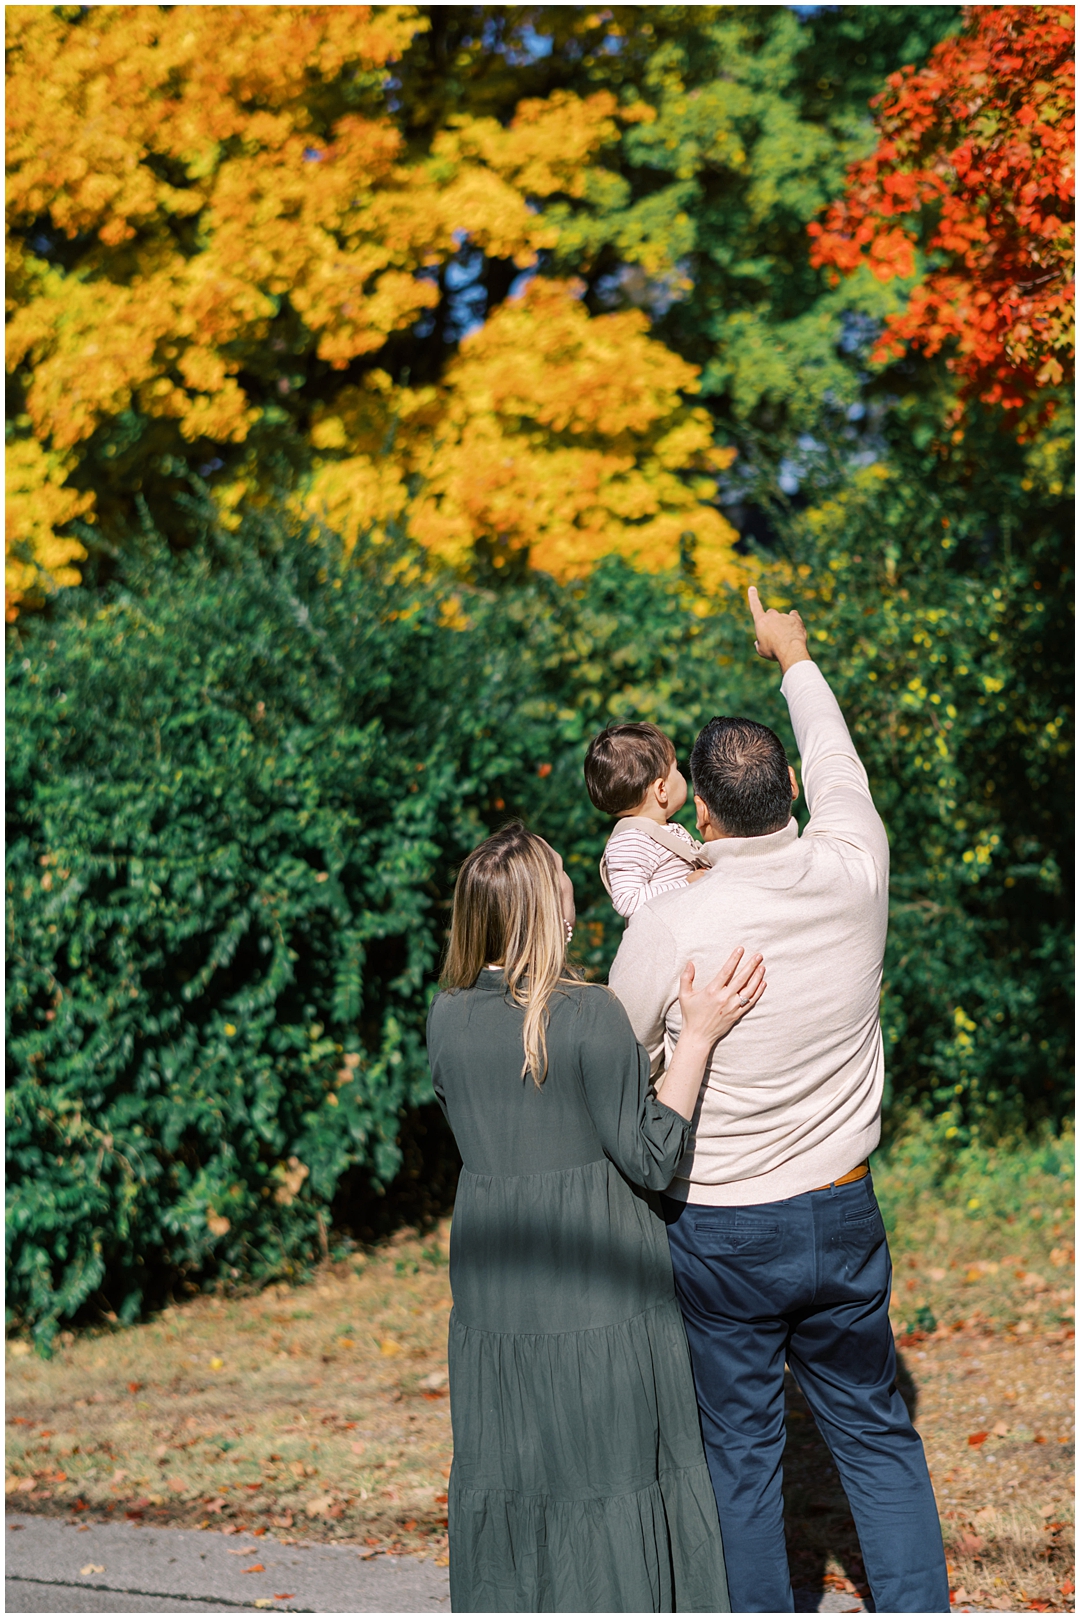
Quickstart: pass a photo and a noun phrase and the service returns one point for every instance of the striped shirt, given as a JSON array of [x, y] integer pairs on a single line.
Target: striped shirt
[[639, 868]]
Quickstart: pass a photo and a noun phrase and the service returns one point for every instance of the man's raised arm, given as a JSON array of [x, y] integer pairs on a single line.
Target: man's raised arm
[[837, 791]]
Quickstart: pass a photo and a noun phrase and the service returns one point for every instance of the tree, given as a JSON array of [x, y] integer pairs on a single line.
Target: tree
[[219, 233], [972, 185]]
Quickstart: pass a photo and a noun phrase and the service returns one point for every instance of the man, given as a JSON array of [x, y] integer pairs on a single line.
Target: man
[[777, 1243]]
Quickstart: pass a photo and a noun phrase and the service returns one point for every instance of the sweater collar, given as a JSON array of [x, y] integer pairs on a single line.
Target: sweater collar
[[726, 849]]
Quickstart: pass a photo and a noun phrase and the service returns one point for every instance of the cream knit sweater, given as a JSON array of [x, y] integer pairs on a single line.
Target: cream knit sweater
[[792, 1096]]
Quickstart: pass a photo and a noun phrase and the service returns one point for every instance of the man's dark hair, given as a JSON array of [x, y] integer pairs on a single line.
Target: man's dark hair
[[621, 763], [740, 771]]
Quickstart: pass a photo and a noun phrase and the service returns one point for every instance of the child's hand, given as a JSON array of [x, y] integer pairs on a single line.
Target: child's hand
[[695, 876]]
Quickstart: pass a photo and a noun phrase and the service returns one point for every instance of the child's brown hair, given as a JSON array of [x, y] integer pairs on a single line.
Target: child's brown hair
[[622, 762]]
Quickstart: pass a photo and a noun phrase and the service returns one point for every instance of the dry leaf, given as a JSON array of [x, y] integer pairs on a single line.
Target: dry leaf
[[92, 1567], [257, 1568], [388, 1346]]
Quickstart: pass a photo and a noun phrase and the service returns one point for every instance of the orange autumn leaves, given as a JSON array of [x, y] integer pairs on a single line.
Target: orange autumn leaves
[[975, 167], [238, 204], [552, 432]]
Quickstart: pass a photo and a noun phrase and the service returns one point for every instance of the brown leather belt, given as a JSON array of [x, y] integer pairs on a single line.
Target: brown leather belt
[[858, 1173]]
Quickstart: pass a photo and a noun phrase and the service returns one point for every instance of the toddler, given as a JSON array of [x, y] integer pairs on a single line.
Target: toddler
[[631, 773]]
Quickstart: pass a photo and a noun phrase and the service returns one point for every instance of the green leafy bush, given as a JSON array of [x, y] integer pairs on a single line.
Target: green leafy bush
[[239, 788], [230, 791]]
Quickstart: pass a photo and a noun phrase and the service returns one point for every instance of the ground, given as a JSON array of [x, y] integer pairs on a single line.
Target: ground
[[320, 1411]]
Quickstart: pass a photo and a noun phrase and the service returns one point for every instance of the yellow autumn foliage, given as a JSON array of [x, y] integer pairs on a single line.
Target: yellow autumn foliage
[[245, 222]]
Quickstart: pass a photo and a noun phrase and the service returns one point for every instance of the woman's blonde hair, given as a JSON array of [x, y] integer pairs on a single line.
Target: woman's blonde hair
[[507, 908]]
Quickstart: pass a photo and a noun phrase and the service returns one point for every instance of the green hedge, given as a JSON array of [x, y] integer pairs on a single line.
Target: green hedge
[[238, 787]]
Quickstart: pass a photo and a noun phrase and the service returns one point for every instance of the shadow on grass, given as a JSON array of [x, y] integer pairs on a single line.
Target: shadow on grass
[[817, 1516]]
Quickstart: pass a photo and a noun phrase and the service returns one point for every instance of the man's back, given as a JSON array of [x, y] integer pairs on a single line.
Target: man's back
[[793, 1095]]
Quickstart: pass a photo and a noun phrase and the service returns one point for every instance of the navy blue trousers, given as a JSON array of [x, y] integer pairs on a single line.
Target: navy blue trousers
[[807, 1281]]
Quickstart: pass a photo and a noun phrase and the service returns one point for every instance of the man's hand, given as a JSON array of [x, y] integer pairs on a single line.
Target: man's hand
[[781, 636]]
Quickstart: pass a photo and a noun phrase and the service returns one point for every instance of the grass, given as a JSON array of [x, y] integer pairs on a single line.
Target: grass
[[979, 1233], [321, 1411]]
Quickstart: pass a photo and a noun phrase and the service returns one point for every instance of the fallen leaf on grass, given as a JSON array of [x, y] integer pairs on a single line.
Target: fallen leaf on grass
[[92, 1567], [969, 1544], [388, 1346], [978, 1438], [442, 1561], [1000, 1429], [409, 1526]]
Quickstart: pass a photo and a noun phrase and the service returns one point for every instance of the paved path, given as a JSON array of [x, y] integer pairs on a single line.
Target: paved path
[[130, 1568], [54, 1565]]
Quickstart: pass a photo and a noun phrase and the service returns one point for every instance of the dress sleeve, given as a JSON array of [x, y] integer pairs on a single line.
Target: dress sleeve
[[432, 1056], [639, 1134]]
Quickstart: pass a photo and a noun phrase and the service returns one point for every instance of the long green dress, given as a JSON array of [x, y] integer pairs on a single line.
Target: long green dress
[[579, 1482]]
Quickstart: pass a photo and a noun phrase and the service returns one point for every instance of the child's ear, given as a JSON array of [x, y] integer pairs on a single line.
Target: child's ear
[[660, 792]]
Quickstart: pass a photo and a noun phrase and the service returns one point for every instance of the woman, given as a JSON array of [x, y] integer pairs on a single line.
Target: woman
[[579, 1482]]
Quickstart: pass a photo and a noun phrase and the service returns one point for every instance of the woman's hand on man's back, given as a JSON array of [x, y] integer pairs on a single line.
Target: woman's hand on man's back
[[713, 1010], [708, 1014]]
